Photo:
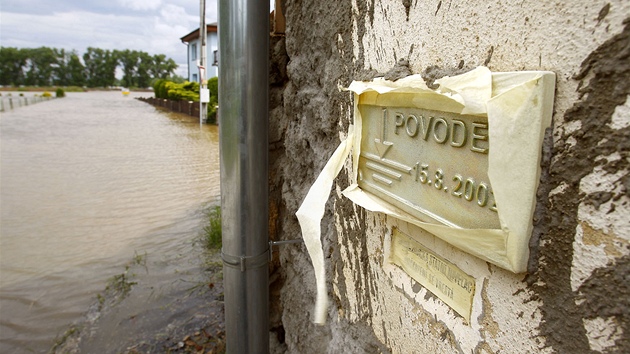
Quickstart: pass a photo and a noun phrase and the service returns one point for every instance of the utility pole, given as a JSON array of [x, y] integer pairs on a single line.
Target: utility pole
[[204, 93]]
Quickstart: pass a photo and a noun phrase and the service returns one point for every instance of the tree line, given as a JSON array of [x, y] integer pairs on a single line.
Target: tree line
[[51, 66]]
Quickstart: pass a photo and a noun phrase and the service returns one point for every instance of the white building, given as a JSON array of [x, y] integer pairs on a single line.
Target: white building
[[193, 42]]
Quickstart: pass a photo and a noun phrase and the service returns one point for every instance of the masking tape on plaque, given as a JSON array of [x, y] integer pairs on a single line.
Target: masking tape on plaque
[[518, 106], [310, 215]]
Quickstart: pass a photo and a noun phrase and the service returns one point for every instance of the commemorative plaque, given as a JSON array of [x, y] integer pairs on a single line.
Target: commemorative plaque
[[462, 162], [428, 163]]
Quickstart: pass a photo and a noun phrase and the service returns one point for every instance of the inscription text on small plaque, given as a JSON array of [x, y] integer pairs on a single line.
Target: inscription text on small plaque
[[441, 277]]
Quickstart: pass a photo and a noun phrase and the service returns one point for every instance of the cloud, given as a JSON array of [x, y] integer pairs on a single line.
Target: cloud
[[141, 5], [176, 15], [150, 26]]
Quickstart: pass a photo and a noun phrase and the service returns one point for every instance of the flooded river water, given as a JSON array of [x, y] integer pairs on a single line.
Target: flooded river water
[[87, 183]]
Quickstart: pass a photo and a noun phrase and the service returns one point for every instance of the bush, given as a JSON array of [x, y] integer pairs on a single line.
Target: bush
[[187, 91], [158, 88], [46, 94], [190, 86], [60, 93], [213, 86], [173, 91], [213, 105], [212, 237], [163, 88]]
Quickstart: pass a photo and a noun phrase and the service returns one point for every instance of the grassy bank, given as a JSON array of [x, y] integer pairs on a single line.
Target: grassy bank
[[212, 232]]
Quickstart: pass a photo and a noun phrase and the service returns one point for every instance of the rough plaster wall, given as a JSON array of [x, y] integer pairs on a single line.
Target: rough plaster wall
[[307, 113], [575, 297]]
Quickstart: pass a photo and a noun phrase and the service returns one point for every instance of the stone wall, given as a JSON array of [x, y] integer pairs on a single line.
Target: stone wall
[[575, 298]]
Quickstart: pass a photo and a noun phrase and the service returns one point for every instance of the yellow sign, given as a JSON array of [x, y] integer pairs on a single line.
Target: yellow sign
[[441, 277]]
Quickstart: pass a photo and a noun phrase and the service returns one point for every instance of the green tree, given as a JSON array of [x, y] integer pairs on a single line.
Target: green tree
[[40, 65], [129, 61], [46, 66], [68, 69], [100, 67], [143, 70], [162, 67], [12, 63], [60, 68], [76, 70]]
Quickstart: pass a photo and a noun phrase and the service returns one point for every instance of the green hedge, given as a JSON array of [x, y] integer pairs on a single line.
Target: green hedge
[[188, 91], [213, 86]]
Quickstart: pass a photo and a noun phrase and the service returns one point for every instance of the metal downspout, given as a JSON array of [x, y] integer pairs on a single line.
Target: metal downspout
[[243, 127]]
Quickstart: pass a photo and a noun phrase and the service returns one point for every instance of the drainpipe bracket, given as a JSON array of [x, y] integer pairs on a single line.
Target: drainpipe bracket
[[281, 242], [284, 242], [246, 262]]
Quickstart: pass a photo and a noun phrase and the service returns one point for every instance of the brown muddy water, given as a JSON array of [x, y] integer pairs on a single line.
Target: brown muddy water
[[89, 183]]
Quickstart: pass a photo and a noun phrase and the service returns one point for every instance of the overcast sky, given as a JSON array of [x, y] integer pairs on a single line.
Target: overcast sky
[[152, 26]]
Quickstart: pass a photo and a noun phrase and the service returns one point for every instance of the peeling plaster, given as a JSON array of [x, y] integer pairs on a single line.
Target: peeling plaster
[[566, 262], [586, 257], [602, 333], [489, 325], [621, 117], [571, 127]]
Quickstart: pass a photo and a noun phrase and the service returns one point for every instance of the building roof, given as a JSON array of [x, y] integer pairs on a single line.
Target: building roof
[[212, 27]]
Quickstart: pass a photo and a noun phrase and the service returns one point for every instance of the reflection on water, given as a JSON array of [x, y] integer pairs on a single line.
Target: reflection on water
[[85, 182]]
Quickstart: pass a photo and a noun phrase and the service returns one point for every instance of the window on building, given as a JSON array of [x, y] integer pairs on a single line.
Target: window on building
[[194, 78], [215, 62], [193, 51]]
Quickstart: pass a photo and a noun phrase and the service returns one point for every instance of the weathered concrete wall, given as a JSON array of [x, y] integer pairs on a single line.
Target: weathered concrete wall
[[575, 297]]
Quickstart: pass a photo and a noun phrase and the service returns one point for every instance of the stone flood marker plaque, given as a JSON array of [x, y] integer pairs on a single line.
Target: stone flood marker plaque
[[428, 163], [461, 162]]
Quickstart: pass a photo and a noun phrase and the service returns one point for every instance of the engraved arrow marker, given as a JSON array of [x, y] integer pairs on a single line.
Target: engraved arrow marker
[[381, 144]]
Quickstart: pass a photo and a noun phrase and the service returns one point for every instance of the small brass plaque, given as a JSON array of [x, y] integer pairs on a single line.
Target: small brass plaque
[[431, 164], [439, 276]]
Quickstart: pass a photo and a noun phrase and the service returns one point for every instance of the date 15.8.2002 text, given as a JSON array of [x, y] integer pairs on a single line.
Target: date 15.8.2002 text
[[461, 187]]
